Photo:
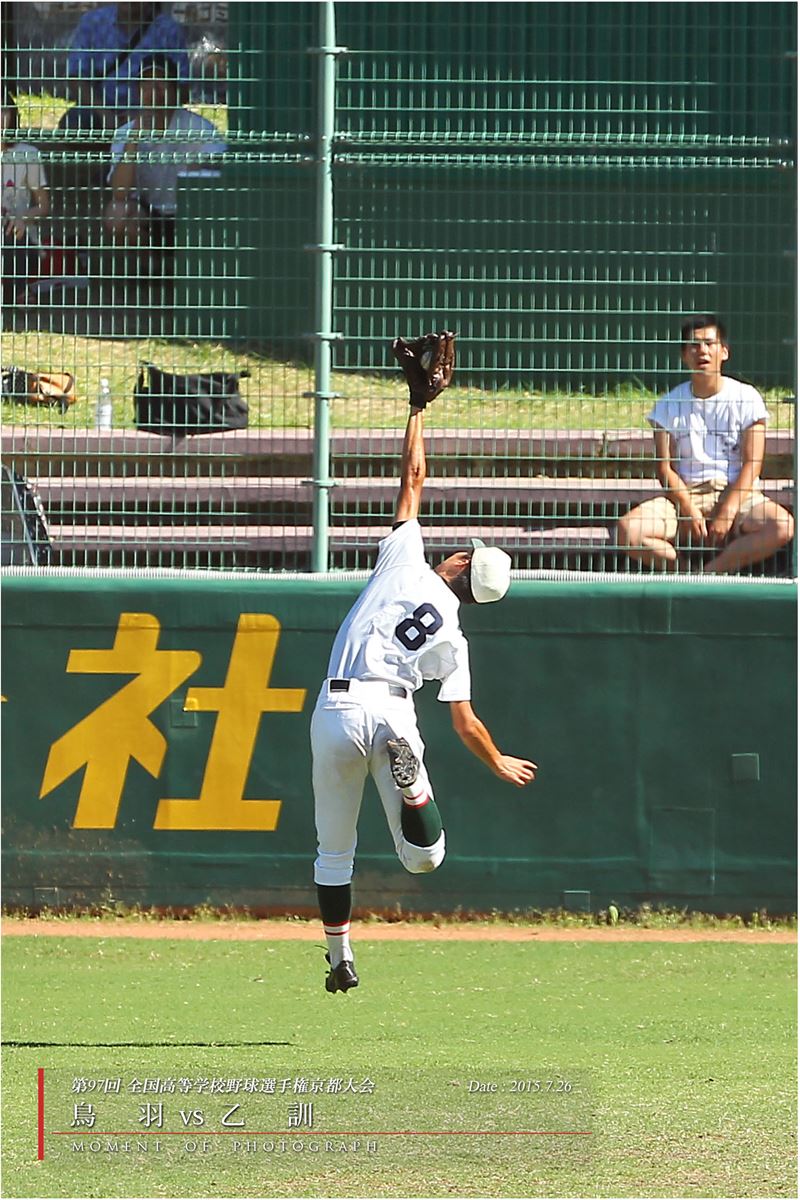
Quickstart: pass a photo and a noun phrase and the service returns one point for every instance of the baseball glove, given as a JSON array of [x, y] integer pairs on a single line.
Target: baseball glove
[[427, 365]]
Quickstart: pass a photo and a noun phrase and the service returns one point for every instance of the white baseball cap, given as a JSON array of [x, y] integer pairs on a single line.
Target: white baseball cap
[[490, 572]]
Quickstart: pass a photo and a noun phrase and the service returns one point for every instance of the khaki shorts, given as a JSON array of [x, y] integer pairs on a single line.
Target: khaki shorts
[[660, 515]]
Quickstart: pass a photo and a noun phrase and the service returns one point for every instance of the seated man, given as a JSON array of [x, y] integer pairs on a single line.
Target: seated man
[[144, 178], [106, 53], [709, 442]]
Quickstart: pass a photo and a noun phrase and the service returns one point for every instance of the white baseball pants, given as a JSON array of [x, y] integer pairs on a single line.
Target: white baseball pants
[[349, 732]]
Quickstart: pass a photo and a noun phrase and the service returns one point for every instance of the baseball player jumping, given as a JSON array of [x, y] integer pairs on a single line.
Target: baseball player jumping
[[402, 630]]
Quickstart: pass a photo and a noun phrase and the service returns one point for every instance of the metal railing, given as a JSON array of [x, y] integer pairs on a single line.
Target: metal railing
[[560, 184]]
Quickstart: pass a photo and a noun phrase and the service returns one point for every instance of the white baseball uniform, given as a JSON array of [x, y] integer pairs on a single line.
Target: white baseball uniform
[[402, 630]]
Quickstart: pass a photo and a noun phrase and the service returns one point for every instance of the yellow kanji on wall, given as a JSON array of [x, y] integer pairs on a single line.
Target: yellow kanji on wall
[[119, 729], [239, 704]]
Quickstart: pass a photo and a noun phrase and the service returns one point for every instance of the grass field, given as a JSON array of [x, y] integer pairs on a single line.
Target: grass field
[[275, 389], [680, 1059]]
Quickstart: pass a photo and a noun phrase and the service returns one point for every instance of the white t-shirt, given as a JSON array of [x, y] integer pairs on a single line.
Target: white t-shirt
[[708, 433], [404, 626], [22, 174], [160, 163]]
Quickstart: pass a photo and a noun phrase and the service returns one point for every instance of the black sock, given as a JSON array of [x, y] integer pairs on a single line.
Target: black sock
[[334, 907], [335, 903]]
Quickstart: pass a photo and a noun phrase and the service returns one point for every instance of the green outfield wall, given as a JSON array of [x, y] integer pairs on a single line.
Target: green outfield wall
[[155, 745]]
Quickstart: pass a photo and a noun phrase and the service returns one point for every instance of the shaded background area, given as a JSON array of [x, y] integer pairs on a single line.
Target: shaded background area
[[562, 181]]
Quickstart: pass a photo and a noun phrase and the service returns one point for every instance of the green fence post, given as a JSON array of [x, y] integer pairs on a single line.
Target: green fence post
[[323, 334]]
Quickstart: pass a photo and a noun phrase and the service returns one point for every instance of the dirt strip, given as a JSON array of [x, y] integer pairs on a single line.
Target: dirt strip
[[280, 931]]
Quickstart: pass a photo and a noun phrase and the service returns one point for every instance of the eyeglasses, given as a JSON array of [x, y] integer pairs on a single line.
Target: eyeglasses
[[700, 342]]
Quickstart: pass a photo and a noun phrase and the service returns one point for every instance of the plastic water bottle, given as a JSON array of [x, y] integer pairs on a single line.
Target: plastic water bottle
[[104, 412]]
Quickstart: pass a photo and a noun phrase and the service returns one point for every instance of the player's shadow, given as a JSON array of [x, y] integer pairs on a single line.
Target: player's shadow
[[136, 1045]]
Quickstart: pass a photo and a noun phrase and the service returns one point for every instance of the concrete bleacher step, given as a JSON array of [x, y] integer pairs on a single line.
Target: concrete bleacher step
[[254, 539], [146, 496], [244, 497], [43, 450], [48, 450]]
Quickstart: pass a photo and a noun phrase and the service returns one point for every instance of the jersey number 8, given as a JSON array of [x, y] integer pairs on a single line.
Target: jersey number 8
[[415, 630]]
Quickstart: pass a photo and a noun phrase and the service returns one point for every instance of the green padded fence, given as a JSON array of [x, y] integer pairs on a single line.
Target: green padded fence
[[559, 183], [164, 719]]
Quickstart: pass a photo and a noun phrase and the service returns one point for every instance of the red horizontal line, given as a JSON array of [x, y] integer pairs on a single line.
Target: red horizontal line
[[283, 1133]]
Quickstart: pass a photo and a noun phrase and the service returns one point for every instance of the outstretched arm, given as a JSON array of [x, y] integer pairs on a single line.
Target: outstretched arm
[[412, 469], [427, 364], [476, 737]]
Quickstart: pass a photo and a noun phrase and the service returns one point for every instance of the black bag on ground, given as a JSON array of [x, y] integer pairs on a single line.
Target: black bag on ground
[[177, 405]]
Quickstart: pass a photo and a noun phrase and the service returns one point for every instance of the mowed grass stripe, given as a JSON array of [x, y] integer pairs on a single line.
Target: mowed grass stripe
[[685, 1052]]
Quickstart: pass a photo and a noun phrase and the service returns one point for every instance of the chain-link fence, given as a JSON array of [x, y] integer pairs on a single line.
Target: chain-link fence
[[561, 184]]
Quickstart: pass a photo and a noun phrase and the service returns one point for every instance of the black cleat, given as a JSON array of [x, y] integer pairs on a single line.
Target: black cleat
[[341, 978], [403, 762]]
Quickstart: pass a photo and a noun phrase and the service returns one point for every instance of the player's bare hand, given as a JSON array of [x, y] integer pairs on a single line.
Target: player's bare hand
[[519, 771]]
